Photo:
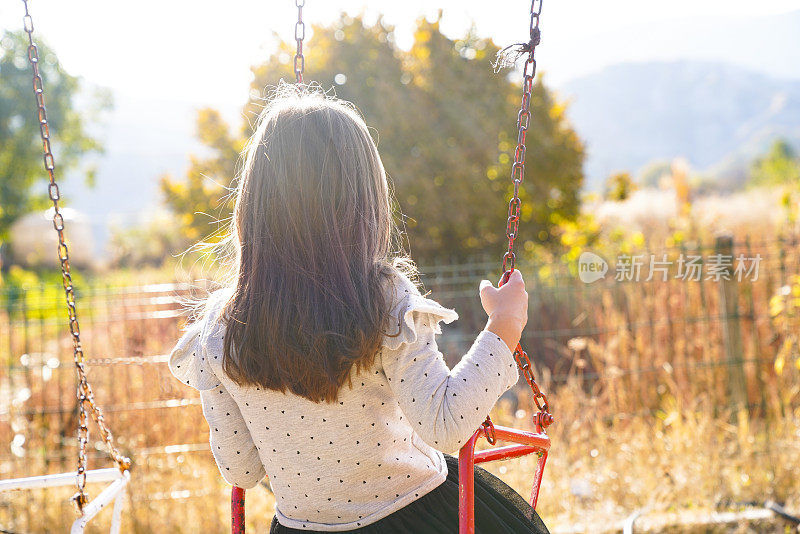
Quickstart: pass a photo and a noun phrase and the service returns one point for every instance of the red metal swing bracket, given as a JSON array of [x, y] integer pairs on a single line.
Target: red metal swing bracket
[[237, 510], [524, 443]]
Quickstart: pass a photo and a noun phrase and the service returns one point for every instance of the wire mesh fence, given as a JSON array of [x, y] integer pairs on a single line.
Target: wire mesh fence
[[714, 335], [631, 344]]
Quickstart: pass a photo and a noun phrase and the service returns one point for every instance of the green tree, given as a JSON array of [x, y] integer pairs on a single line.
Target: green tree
[[203, 198], [779, 166], [21, 166], [446, 130], [619, 187], [149, 244]]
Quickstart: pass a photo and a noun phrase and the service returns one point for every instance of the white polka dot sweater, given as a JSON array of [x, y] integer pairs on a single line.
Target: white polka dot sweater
[[344, 465]]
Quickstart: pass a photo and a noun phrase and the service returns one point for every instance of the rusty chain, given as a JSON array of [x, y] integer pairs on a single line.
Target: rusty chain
[[543, 418], [299, 35], [84, 390], [523, 120]]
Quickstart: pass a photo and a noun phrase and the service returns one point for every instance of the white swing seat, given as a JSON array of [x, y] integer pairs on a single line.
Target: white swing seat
[[113, 492]]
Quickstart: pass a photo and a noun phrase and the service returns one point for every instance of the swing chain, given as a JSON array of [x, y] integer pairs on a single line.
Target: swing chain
[[299, 35], [488, 430], [523, 120], [543, 418], [539, 398], [84, 390]]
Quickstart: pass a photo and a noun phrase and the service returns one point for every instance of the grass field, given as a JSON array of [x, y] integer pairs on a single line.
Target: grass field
[[641, 379]]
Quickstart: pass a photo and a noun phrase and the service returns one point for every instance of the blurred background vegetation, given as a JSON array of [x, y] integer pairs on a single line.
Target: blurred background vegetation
[[20, 146], [445, 130]]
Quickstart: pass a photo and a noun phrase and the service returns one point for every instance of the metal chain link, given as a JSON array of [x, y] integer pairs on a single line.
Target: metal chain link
[[84, 389], [523, 120], [543, 418], [299, 35]]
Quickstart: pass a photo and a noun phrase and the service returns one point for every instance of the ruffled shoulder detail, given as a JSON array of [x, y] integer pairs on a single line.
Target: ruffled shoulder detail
[[189, 360], [412, 311]]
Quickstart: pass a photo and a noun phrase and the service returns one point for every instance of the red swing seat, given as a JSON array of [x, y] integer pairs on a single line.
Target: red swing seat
[[524, 443]]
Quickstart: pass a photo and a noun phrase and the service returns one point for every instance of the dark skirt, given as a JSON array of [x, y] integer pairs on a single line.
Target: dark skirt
[[498, 509]]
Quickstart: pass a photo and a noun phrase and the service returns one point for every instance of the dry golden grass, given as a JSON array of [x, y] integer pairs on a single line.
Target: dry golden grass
[[599, 471], [595, 471], [682, 461]]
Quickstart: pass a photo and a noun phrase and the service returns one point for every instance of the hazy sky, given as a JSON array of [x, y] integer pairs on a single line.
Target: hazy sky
[[200, 51]]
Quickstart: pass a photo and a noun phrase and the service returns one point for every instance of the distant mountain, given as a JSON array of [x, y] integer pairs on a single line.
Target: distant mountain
[[767, 43], [715, 115]]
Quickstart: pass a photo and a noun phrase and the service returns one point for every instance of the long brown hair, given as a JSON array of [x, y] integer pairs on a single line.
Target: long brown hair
[[313, 233]]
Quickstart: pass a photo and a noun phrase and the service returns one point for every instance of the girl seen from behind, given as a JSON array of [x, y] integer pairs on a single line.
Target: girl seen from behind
[[317, 361]]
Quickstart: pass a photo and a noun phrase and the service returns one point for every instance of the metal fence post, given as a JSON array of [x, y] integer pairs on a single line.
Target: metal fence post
[[731, 329]]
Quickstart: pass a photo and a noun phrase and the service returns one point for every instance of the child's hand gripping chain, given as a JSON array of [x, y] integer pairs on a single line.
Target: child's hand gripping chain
[[507, 308]]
